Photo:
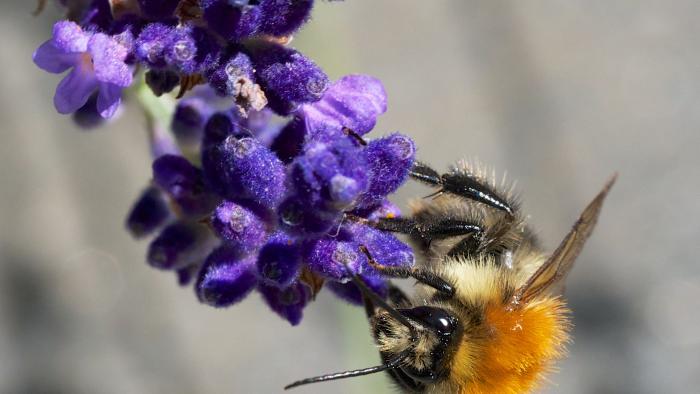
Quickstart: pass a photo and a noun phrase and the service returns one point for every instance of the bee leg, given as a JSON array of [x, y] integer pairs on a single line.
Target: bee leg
[[460, 184], [423, 276]]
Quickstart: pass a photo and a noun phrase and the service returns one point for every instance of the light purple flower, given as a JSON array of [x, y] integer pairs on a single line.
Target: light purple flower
[[354, 101], [97, 61]]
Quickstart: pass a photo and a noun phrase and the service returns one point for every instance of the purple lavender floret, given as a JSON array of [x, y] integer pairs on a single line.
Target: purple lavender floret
[[241, 227], [287, 302], [176, 246], [350, 293], [226, 277], [283, 17], [244, 168], [390, 160], [149, 47], [148, 213], [232, 19], [184, 183], [97, 62], [288, 78], [190, 49], [279, 261]]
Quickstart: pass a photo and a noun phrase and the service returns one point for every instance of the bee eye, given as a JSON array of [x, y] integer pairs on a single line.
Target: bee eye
[[437, 319]]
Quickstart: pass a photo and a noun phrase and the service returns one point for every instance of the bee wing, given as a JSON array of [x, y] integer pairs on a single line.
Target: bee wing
[[558, 265]]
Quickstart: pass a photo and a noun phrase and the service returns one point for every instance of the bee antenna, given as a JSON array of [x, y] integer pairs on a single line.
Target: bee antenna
[[392, 363]]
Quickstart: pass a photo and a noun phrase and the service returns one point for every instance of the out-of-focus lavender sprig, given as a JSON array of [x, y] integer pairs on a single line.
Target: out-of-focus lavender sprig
[[255, 178]]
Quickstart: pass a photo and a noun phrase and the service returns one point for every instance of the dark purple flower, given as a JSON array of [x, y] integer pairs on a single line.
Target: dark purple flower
[[279, 261], [287, 77], [184, 183], [288, 302], [244, 168], [225, 278], [390, 159], [97, 62], [289, 142], [148, 213], [354, 101], [240, 226]]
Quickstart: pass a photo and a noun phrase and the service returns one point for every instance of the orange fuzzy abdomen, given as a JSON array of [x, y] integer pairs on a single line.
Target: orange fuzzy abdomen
[[515, 349]]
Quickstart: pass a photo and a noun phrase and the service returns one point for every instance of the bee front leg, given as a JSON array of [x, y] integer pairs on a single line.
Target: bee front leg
[[423, 276]]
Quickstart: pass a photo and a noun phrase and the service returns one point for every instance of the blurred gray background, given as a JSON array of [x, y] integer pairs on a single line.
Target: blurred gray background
[[559, 93]]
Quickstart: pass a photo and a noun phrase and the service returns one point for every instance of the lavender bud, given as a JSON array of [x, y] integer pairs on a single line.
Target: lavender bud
[[334, 259], [231, 19], [390, 159], [148, 213], [184, 183], [384, 247], [244, 168], [191, 114], [279, 261], [225, 278], [241, 227], [150, 44], [191, 50], [289, 303], [290, 140], [301, 219], [288, 78], [220, 126], [283, 17], [176, 246]]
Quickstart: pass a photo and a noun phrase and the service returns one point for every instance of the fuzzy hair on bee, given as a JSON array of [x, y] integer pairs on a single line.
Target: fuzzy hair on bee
[[488, 314]]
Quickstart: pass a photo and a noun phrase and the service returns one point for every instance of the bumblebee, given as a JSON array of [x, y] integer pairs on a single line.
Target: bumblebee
[[487, 316]]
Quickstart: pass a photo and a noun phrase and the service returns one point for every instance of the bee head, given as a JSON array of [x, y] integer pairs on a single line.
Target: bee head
[[430, 344]]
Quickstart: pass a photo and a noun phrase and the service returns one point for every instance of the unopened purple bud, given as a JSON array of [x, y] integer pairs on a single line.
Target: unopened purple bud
[[162, 81], [184, 182], [289, 302], [354, 101], [191, 50], [349, 291], [290, 140], [158, 9], [225, 278], [244, 168], [279, 261], [225, 78], [288, 77], [390, 160], [149, 47], [334, 259], [176, 246], [220, 126], [240, 226], [298, 217], [231, 19], [283, 17], [187, 274], [191, 114], [148, 213], [384, 247]]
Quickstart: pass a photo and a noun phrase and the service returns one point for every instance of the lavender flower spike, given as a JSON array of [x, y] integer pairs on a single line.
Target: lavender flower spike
[[97, 61]]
